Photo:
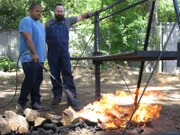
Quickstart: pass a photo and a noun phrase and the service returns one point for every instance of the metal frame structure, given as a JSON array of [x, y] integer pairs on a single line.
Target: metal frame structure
[[177, 10], [133, 56]]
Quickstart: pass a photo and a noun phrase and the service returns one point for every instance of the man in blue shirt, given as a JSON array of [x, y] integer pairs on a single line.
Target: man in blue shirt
[[32, 49]]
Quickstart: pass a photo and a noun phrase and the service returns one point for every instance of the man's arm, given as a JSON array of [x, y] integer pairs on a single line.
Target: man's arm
[[29, 41], [47, 25], [84, 16]]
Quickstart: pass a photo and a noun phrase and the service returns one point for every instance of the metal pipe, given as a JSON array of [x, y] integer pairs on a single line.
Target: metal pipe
[[145, 48], [130, 6], [96, 38], [97, 82], [97, 53], [69, 94], [109, 6], [176, 7], [178, 56], [142, 64], [150, 76]]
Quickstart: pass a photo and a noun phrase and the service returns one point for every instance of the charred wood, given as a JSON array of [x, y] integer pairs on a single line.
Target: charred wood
[[49, 126], [140, 130], [68, 127]]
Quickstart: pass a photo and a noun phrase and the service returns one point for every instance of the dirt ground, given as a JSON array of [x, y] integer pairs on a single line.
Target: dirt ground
[[167, 124]]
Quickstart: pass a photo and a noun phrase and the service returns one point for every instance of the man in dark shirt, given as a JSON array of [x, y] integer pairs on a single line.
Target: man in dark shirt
[[57, 39]]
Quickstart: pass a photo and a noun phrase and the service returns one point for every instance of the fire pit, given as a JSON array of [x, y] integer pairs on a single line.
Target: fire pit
[[110, 113]]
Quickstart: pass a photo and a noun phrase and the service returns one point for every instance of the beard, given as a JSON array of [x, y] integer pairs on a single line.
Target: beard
[[59, 18]]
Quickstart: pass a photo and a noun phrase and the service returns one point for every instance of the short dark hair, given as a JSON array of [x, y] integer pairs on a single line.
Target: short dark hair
[[59, 4], [33, 5]]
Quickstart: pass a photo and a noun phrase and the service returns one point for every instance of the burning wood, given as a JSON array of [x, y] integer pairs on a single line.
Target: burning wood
[[108, 113], [113, 111], [89, 115]]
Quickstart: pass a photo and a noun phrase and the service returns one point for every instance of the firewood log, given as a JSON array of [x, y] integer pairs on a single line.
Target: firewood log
[[4, 127], [31, 115], [24, 126], [12, 120], [52, 117], [65, 120], [17, 122], [69, 116], [38, 121]]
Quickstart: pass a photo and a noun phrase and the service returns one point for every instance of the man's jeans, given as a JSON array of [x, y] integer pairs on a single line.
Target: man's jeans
[[59, 63], [31, 84]]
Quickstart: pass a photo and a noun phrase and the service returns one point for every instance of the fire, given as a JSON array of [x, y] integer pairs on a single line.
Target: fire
[[114, 110], [146, 113]]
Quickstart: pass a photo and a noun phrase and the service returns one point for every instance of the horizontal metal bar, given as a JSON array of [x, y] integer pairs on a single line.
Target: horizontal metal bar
[[133, 56], [176, 8], [108, 7], [123, 9]]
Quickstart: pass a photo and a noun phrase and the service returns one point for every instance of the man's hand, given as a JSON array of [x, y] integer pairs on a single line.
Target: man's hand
[[87, 14], [34, 57], [84, 16]]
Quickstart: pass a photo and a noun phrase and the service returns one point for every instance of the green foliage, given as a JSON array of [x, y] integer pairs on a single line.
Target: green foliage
[[166, 12], [46, 64], [123, 32], [11, 12], [6, 64]]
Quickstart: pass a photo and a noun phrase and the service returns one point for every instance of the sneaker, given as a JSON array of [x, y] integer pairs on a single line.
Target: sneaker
[[75, 104], [56, 101], [20, 107], [39, 107]]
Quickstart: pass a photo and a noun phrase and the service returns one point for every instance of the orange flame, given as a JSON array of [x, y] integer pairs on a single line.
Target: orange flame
[[114, 110]]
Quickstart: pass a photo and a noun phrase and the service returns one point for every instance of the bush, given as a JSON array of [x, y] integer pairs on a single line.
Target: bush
[[7, 64]]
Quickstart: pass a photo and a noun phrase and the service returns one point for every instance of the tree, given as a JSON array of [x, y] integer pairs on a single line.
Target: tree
[[11, 11], [123, 32], [166, 11]]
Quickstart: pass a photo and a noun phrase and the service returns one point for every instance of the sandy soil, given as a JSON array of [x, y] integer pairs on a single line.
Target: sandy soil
[[167, 124]]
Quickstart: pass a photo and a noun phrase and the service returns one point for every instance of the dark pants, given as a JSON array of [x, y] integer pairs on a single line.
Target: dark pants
[[31, 84], [60, 64]]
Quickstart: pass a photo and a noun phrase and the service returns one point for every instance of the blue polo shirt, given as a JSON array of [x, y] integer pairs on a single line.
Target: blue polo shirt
[[34, 27]]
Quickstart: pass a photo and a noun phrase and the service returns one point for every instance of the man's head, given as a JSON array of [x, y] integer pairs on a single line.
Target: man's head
[[35, 10], [59, 12]]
